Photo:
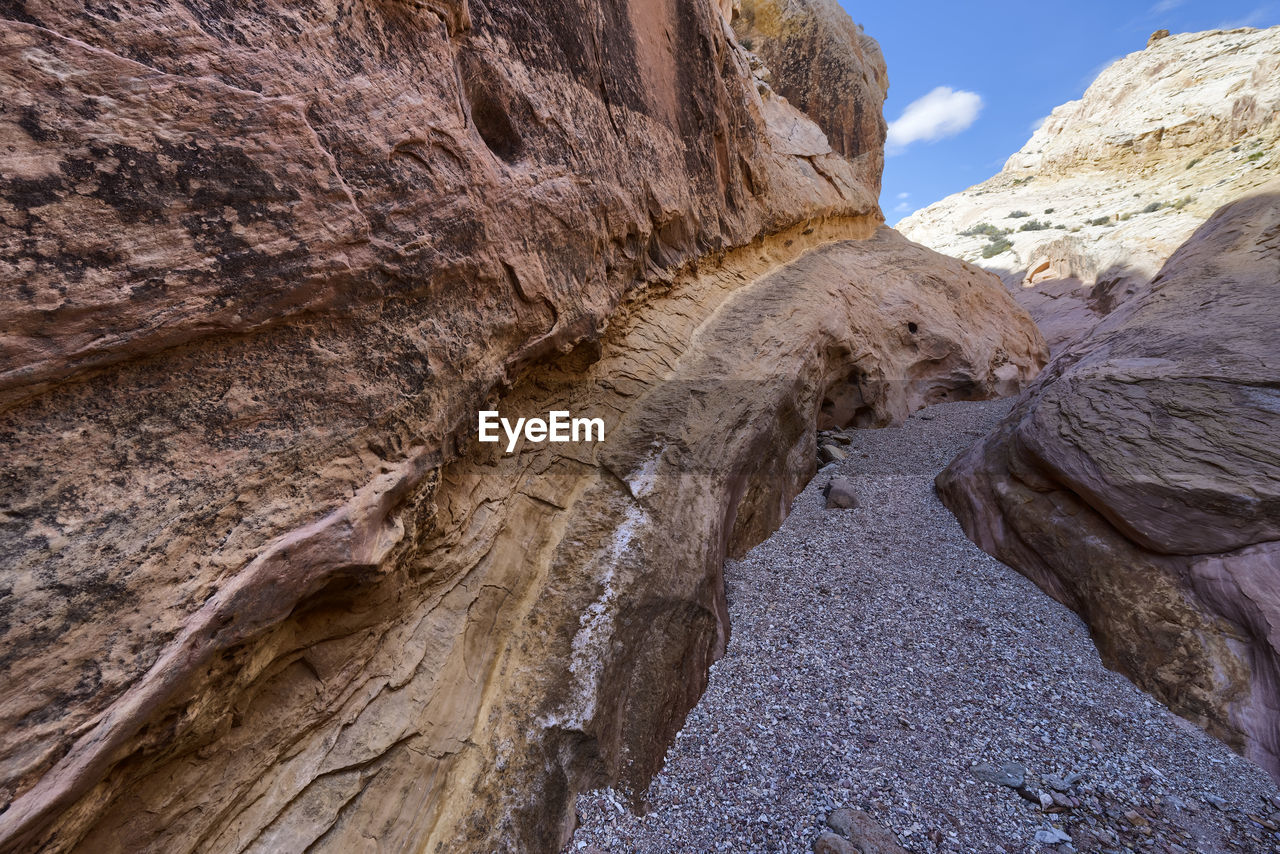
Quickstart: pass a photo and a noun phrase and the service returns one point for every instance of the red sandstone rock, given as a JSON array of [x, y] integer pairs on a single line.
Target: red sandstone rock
[[265, 590], [1138, 481]]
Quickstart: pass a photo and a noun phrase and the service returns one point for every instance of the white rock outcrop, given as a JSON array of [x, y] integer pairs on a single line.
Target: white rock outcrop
[[1110, 185]]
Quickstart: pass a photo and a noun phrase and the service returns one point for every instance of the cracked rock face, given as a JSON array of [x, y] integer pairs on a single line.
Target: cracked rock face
[[1110, 185], [1138, 481], [262, 588], [823, 63]]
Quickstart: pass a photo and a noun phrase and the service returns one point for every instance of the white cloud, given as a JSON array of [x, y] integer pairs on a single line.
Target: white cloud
[[1166, 6], [1038, 123], [943, 112], [902, 207], [904, 195]]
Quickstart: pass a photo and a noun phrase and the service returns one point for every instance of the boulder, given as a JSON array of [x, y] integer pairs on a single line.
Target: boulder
[[1138, 481], [841, 494]]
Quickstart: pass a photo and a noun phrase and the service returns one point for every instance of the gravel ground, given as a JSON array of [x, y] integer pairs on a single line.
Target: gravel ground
[[877, 656]]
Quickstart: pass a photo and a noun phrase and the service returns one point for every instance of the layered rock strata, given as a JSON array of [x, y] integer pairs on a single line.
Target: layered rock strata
[[1138, 481], [263, 589], [1085, 214]]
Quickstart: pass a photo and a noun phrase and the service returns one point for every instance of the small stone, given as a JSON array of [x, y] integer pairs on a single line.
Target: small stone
[[1053, 781], [1216, 801], [1046, 800], [863, 832], [1009, 774], [829, 843], [840, 494], [1051, 836], [1135, 819], [829, 453]]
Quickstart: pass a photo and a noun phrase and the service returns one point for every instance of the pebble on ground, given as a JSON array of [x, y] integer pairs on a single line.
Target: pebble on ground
[[881, 661]]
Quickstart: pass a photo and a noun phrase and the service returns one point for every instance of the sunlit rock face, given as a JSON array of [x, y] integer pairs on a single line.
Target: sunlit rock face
[[263, 588], [817, 58], [1110, 185], [1138, 481]]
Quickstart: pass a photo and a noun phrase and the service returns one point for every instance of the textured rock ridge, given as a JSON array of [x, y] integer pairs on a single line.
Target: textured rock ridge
[[1138, 481], [264, 590], [1110, 185], [822, 62]]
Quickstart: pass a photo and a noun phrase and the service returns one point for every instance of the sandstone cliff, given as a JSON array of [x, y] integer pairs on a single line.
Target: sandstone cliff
[[824, 64], [1138, 481], [1110, 185], [263, 590]]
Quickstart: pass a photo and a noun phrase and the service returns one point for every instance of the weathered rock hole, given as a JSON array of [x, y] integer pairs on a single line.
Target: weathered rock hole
[[494, 127], [912, 327], [492, 104], [846, 403]]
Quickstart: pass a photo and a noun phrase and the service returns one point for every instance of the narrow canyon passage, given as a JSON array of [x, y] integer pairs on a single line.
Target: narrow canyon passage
[[877, 656]]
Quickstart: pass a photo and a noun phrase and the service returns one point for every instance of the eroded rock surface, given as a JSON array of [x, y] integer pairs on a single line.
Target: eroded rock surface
[[263, 589], [1110, 185], [823, 63], [1138, 481]]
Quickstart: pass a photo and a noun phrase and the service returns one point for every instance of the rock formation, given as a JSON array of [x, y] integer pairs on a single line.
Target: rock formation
[[822, 63], [1138, 481], [264, 590], [1110, 185]]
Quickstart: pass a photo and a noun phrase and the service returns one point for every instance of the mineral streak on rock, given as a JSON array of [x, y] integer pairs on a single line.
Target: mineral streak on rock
[[1110, 185], [1138, 481], [264, 591]]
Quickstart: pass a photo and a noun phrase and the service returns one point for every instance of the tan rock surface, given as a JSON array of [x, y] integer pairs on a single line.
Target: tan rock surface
[[263, 590], [822, 62], [1138, 481], [1185, 126]]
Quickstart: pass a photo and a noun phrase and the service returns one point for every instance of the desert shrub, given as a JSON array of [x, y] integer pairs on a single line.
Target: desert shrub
[[1048, 210], [995, 247], [1034, 225], [1181, 203], [1255, 156], [1102, 220], [1153, 207], [984, 229], [1018, 214], [1194, 161]]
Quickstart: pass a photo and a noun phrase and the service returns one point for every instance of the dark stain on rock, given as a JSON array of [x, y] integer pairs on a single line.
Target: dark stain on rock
[[29, 121], [16, 10]]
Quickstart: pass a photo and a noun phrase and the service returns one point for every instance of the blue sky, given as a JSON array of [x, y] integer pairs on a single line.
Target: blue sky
[[1006, 64]]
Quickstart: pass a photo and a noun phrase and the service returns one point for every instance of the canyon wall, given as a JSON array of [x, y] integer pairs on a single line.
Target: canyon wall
[[1138, 481], [263, 588], [822, 63], [1105, 190]]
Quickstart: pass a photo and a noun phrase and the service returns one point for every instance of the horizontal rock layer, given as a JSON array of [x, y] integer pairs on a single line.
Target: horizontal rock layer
[[1138, 481]]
